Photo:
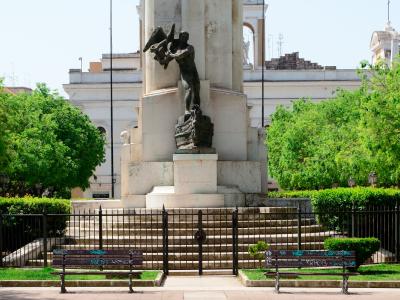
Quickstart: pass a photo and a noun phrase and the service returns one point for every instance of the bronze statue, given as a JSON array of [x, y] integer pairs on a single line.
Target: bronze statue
[[166, 48], [193, 130], [184, 55]]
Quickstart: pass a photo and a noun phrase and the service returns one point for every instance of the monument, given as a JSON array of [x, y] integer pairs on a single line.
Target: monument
[[193, 146]]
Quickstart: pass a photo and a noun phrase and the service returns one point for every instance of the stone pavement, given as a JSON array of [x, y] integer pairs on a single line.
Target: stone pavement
[[196, 288]]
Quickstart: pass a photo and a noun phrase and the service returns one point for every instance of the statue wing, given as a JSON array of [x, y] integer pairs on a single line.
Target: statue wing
[[171, 34], [157, 36]]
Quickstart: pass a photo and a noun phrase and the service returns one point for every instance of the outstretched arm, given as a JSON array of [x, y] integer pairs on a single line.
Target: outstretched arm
[[182, 53]]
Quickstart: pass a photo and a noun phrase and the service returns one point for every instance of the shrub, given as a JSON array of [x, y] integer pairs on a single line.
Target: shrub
[[345, 198], [30, 205], [27, 228], [257, 251], [292, 194], [364, 247], [330, 204]]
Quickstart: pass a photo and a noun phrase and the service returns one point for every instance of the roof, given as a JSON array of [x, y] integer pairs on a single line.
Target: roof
[[292, 61], [16, 90]]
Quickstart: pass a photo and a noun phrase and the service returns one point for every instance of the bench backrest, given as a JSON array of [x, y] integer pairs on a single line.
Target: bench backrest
[[309, 258], [98, 258]]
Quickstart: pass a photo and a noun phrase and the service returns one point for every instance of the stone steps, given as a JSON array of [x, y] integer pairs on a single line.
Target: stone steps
[[142, 229], [211, 239], [158, 248], [185, 224], [133, 232], [177, 215]]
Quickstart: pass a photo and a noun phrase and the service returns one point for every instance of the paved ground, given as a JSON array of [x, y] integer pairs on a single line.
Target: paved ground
[[195, 288]]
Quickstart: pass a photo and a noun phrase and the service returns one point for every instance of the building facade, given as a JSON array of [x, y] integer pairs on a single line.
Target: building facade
[[385, 45]]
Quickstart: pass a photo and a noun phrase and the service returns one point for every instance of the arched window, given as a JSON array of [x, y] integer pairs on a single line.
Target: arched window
[[248, 45]]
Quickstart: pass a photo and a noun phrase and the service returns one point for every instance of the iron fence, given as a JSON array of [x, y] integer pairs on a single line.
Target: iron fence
[[193, 239]]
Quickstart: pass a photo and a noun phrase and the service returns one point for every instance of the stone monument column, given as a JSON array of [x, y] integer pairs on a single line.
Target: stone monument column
[[161, 13]]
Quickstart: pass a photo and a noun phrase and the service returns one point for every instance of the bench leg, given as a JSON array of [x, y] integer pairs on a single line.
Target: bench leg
[[130, 284], [277, 286], [63, 289], [345, 285]]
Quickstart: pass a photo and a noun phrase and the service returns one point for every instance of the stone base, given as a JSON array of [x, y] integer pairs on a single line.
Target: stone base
[[195, 173], [198, 150], [165, 196]]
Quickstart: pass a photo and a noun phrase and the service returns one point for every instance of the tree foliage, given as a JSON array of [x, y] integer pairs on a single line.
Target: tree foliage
[[318, 145], [50, 146], [2, 126]]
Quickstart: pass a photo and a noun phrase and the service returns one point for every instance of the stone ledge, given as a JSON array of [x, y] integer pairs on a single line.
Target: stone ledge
[[317, 283], [194, 157], [84, 283]]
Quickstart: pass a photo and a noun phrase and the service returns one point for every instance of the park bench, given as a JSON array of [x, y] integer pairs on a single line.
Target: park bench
[[311, 259], [98, 259]]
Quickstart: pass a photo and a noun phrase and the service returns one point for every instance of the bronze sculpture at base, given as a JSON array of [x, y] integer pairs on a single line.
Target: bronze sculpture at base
[[194, 131]]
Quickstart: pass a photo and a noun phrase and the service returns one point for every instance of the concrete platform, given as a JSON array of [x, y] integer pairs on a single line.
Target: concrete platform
[[166, 196], [196, 292]]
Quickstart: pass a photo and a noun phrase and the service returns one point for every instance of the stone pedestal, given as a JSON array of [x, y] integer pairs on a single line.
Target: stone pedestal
[[165, 196], [195, 184], [195, 173]]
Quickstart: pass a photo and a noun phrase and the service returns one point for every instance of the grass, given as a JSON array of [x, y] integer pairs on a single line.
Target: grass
[[45, 274], [383, 272]]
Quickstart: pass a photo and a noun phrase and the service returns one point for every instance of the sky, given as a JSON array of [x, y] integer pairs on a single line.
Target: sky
[[43, 39]]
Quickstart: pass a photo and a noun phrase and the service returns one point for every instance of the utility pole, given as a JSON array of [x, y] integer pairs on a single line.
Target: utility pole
[[111, 102], [263, 66]]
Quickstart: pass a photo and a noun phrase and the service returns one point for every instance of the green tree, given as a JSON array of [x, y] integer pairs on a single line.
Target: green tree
[[2, 127], [51, 145], [317, 145], [380, 119]]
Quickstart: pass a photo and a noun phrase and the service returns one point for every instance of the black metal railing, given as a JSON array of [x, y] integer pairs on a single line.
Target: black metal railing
[[193, 239]]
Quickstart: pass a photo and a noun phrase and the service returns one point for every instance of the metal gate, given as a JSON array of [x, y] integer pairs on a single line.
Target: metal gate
[[200, 239]]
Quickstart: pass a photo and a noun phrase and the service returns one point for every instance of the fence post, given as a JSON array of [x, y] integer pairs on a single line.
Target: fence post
[[200, 240], [45, 238], [397, 232], [353, 220], [100, 228], [299, 226], [235, 242], [165, 240], [1, 239]]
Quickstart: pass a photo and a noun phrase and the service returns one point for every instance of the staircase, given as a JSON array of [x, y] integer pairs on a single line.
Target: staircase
[[143, 229]]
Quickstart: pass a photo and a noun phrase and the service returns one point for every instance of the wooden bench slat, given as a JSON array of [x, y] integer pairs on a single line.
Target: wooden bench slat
[[97, 252], [306, 253], [313, 263], [97, 262], [337, 258], [60, 257], [98, 273], [310, 274]]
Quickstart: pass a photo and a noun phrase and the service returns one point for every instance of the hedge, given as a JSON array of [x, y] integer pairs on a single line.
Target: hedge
[[28, 228], [333, 206], [364, 247], [345, 198], [30, 205]]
